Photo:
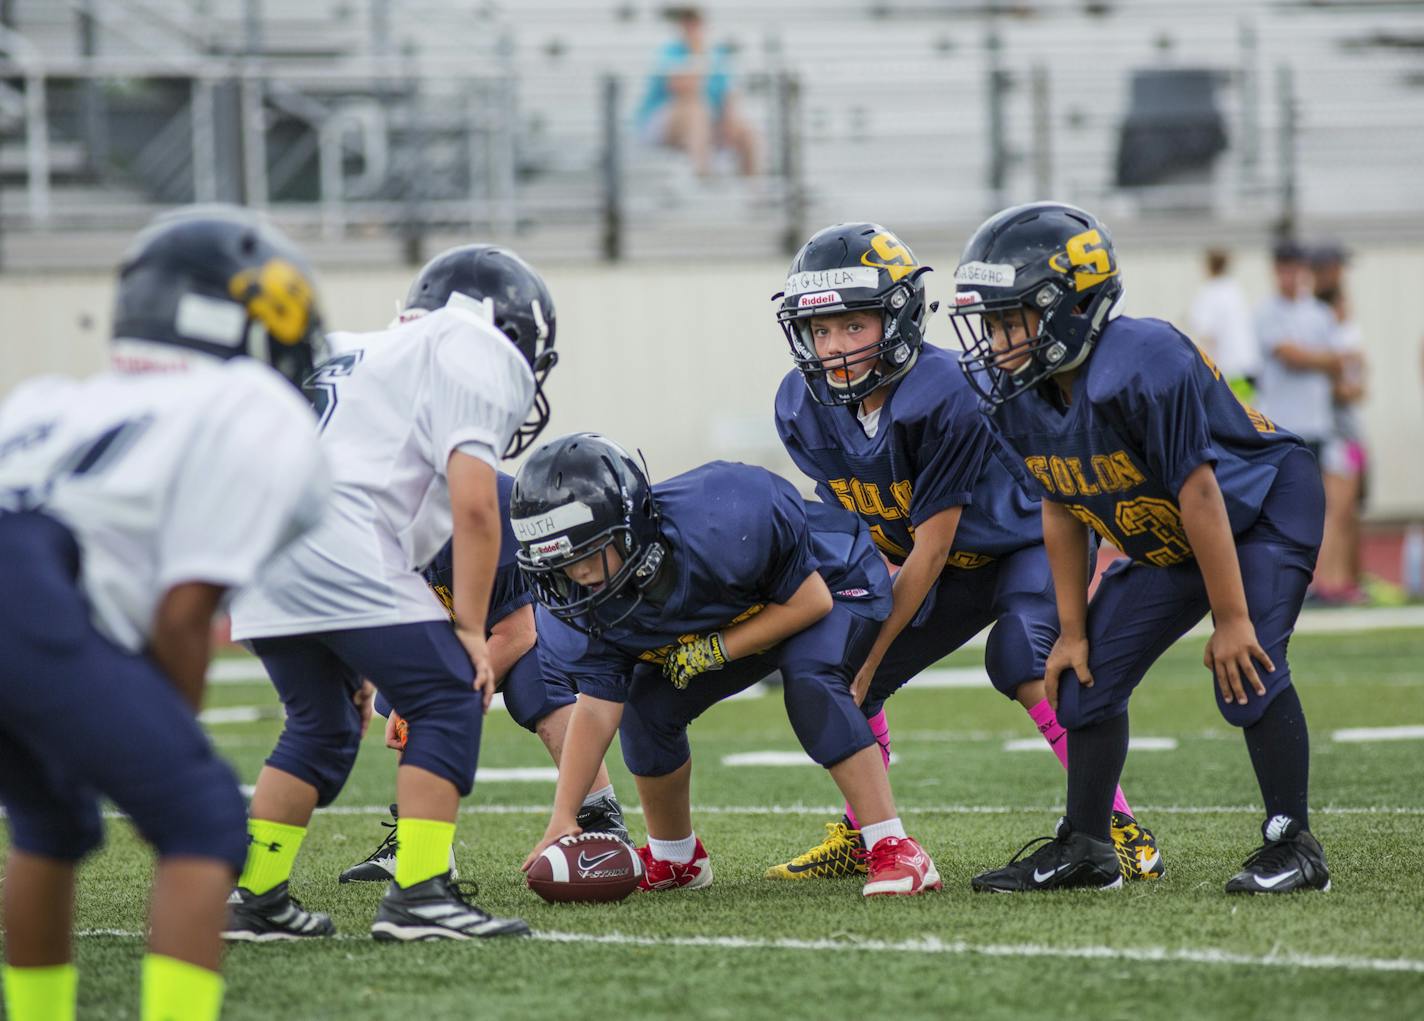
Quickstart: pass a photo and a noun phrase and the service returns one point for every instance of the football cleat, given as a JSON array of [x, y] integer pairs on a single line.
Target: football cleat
[[899, 866], [841, 854], [380, 865], [271, 916], [1136, 848], [438, 908], [1290, 859], [673, 875], [1064, 861], [604, 816]]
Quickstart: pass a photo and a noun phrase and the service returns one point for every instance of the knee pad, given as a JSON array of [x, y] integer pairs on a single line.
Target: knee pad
[[206, 818], [63, 832], [652, 746], [1017, 648], [825, 718], [323, 760], [529, 695], [445, 727], [1255, 707]]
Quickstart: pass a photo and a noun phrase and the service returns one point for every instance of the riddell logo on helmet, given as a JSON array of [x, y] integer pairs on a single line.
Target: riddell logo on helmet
[[823, 298], [967, 298], [551, 548]]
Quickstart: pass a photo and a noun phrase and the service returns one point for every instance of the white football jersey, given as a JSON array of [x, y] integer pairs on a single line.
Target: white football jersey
[[164, 478], [394, 405]]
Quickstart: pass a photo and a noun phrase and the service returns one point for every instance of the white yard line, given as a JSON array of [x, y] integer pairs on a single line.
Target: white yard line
[[933, 946], [1136, 744], [1359, 735]]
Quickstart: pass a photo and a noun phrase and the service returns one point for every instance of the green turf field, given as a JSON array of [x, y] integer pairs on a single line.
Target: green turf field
[[748, 947]]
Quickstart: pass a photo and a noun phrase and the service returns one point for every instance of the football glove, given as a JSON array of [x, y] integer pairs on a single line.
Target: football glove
[[696, 657]]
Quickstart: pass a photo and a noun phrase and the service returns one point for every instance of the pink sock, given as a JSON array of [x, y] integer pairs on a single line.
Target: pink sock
[[880, 727], [1057, 738]]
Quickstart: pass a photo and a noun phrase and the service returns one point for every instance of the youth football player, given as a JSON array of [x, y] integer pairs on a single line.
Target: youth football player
[[537, 702], [661, 601], [415, 419], [1132, 433], [885, 424], [131, 503]]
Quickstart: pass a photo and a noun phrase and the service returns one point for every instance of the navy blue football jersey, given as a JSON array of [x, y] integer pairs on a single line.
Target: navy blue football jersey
[[738, 537], [933, 450], [1148, 408], [511, 590]]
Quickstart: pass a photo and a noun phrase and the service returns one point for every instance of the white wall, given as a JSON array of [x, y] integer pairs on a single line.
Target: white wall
[[682, 359]]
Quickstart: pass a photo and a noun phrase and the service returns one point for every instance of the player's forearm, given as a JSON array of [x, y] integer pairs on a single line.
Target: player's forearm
[[181, 642], [919, 573], [509, 639], [779, 621], [1066, 540], [1209, 531], [591, 728], [474, 511]]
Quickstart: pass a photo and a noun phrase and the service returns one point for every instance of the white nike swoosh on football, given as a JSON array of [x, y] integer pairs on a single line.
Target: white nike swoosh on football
[[1275, 881], [584, 862], [1039, 877]]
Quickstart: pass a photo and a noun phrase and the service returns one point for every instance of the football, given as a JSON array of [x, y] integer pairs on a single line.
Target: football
[[590, 867]]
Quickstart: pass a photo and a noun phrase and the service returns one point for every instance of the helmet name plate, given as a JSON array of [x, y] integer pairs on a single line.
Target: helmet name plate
[[559, 519]]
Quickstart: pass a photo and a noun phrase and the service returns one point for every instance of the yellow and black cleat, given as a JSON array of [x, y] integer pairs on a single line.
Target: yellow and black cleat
[[841, 854], [1136, 848]]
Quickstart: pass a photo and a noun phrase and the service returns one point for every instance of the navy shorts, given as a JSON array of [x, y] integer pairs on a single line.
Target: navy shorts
[[817, 666], [1013, 593], [528, 694], [1139, 610], [81, 717], [421, 669]]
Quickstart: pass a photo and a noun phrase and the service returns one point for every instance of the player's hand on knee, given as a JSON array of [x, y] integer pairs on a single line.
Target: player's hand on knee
[[556, 830], [1232, 653], [860, 687], [1068, 653], [363, 698], [478, 651], [397, 731]]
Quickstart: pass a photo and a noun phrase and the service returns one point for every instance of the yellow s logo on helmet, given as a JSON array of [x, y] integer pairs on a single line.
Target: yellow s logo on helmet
[[1089, 260], [278, 295], [894, 257]]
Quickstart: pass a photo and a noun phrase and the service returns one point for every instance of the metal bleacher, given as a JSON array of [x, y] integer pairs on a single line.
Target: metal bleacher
[[377, 113]]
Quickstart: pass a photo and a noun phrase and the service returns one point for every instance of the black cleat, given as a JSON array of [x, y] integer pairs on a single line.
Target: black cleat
[[604, 816], [1290, 859], [1065, 861], [274, 915], [380, 865], [1136, 848], [437, 909]]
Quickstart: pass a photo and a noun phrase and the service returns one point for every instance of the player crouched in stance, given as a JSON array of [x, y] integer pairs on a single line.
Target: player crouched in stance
[[662, 601], [884, 423], [538, 703], [415, 418], [130, 503], [1130, 431]]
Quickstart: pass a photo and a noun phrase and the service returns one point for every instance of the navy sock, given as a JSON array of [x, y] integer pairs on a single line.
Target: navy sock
[[1095, 757], [1279, 743]]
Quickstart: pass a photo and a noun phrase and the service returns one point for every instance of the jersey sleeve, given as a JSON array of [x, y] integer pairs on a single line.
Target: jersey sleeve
[[953, 443], [788, 553], [511, 592], [586, 664], [481, 389], [252, 479], [1165, 398]]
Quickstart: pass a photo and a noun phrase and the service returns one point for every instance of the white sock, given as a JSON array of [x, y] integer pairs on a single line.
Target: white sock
[[878, 831], [680, 851], [602, 792]]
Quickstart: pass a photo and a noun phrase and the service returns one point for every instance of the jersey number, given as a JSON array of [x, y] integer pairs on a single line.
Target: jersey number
[[320, 386]]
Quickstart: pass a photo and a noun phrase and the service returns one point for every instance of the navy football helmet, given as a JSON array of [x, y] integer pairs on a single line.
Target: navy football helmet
[[514, 297], [1054, 260], [844, 268], [216, 282], [577, 497]]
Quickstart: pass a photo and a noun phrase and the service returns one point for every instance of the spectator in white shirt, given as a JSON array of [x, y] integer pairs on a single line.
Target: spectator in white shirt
[[1220, 321]]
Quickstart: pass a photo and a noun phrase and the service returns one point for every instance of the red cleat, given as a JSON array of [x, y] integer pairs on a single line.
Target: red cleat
[[672, 875], [900, 867]]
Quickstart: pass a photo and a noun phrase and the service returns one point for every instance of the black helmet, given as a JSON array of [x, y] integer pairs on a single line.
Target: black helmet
[[218, 282], [576, 497], [841, 269], [1055, 259], [514, 297]]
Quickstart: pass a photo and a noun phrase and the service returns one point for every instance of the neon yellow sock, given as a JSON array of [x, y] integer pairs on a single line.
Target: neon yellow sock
[[422, 849], [175, 990], [271, 852], [41, 994]]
